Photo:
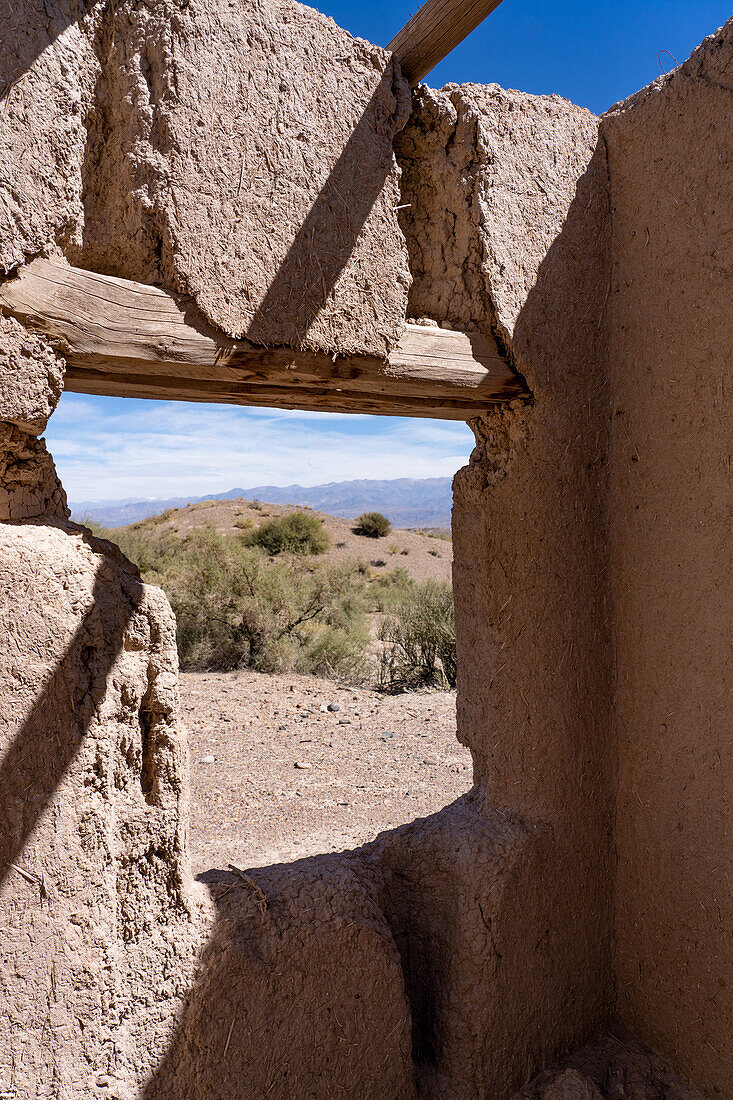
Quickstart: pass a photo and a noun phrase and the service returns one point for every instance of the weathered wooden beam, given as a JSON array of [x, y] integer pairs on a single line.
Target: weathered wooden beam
[[434, 30], [121, 338]]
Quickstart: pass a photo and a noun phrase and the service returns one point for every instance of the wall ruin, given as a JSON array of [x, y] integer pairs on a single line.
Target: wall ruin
[[529, 512], [671, 333], [583, 875]]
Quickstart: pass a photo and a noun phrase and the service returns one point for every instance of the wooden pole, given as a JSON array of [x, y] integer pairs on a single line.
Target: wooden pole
[[436, 29], [126, 339]]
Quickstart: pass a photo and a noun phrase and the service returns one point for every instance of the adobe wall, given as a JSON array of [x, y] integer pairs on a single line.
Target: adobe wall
[[100, 922], [154, 141], [453, 957], [671, 170], [389, 970], [508, 230]]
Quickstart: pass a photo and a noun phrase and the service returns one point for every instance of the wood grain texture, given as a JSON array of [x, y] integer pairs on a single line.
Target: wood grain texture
[[434, 30], [121, 338]]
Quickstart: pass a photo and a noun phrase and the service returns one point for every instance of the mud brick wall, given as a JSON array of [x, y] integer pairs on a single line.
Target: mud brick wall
[[670, 151]]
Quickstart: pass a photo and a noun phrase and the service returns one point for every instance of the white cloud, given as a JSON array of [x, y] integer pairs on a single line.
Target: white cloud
[[113, 448]]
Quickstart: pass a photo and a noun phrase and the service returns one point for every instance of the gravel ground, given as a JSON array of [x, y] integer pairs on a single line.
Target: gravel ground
[[290, 778]]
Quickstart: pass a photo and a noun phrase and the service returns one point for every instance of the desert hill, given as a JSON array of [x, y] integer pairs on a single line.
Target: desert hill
[[424, 556]]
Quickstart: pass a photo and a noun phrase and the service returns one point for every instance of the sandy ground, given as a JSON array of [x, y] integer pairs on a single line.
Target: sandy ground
[[290, 779]]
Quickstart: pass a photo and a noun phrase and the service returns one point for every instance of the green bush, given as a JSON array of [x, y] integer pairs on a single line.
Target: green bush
[[373, 525], [147, 548], [235, 609], [386, 590], [419, 640], [293, 533]]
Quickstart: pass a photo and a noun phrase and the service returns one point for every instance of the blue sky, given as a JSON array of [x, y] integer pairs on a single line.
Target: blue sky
[[592, 53]]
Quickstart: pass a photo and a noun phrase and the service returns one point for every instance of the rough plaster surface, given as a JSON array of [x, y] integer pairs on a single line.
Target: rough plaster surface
[[489, 176], [462, 894], [302, 985], [478, 943], [48, 71], [240, 154], [31, 380], [380, 971], [99, 919], [611, 1068], [244, 154], [529, 512], [29, 485], [671, 165], [31, 377]]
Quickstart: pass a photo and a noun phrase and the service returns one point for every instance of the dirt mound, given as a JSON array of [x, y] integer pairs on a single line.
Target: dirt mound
[[427, 556], [614, 1068]]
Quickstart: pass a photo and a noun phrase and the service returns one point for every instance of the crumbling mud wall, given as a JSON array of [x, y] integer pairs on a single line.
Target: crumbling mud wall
[[99, 919], [387, 971], [614, 1066], [31, 380], [508, 229], [48, 72], [462, 894], [302, 992], [671, 172], [454, 957], [100, 923], [592, 529], [156, 141], [216, 122]]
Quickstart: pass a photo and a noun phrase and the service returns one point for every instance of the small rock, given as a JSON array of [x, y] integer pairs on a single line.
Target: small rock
[[302, 764], [386, 735], [334, 707], [103, 1080], [207, 760], [344, 721], [323, 708]]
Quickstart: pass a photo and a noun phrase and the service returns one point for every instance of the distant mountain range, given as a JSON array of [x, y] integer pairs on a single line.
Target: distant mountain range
[[406, 501]]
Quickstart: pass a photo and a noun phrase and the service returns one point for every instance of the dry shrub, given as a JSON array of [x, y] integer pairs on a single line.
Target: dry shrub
[[293, 533], [386, 590], [373, 525], [236, 609], [419, 637]]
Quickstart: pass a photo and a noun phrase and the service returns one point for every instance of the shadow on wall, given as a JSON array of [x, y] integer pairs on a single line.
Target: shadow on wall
[[445, 956], [319, 252], [442, 954], [531, 589], [42, 25], [321, 248], [308, 275], [46, 744], [375, 972], [335, 969]]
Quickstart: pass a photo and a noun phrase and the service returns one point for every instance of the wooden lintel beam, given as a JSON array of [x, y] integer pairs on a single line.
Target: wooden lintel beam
[[434, 30], [121, 338]]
